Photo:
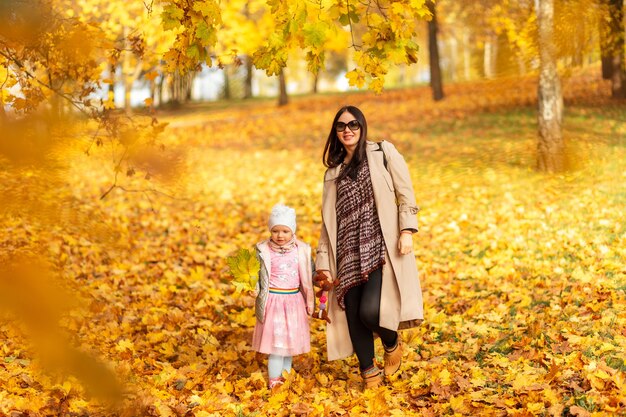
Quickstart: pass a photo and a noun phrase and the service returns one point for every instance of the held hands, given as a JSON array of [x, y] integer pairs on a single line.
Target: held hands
[[405, 243], [322, 279]]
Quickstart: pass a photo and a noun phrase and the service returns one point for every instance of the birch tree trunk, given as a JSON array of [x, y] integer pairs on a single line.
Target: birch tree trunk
[[550, 148], [490, 57]]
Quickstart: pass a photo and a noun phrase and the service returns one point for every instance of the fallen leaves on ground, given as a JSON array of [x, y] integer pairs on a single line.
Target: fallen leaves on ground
[[523, 274]]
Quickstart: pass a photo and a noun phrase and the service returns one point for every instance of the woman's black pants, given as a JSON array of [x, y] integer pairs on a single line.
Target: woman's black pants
[[363, 312]]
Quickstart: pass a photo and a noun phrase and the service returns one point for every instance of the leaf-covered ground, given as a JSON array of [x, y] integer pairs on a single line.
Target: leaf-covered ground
[[524, 274]]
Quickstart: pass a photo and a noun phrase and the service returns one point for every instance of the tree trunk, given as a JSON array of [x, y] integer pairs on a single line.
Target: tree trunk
[[490, 57], [129, 73], [174, 87], [607, 66], [618, 78], [226, 90], [160, 89], [283, 99], [402, 77], [127, 91], [247, 87], [616, 27], [487, 59], [56, 109], [247, 92], [467, 55], [129, 80], [153, 87], [521, 65], [454, 58], [606, 40], [3, 114], [550, 148], [125, 72], [316, 78], [433, 54], [181, 87], [190, 76]]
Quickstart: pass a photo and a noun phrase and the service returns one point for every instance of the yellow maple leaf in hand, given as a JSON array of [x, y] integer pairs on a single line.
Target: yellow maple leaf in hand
[[244, 267]]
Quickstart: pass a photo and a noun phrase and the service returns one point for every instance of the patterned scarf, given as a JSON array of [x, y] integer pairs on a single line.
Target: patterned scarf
[[287, 247], [360, 244]]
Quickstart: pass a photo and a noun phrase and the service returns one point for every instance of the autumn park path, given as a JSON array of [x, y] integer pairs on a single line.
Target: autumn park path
[[523, 273]]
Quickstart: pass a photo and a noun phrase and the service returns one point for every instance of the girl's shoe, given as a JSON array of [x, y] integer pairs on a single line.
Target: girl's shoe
[[393, 358], [372, 377], [276, 382]]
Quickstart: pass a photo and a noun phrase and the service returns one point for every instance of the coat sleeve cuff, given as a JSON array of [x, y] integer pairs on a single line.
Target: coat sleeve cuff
[[407, 218], [321, 259]]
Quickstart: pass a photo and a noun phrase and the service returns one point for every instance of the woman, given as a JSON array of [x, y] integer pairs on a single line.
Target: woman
[[369, 217]]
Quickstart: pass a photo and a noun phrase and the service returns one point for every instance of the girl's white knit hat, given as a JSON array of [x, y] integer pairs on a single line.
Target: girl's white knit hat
[[284, 216]]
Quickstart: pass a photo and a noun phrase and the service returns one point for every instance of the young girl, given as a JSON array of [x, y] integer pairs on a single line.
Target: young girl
[[285, 297]]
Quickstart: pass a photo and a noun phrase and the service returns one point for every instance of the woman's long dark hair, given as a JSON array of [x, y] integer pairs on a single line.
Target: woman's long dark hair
[[334, 152]]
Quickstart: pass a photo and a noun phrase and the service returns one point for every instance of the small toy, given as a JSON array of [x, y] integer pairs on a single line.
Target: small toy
[[325, 285]]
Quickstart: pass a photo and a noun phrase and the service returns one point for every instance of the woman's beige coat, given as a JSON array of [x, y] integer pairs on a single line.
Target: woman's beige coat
[[401, 298]]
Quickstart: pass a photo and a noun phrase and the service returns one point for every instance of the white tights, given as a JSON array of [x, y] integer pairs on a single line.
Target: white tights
[[277, 364]]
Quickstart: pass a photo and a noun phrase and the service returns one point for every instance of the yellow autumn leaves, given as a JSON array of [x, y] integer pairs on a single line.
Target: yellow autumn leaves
[[244, 267], [380, 33], [523, 274]]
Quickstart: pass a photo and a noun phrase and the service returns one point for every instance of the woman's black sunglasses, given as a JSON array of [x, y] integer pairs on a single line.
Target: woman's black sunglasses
[[352, 125]]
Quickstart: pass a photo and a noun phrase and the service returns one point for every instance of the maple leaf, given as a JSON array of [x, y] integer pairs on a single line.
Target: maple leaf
[[124, 344], [110, 102], [356, 78], [244, 267], [315, 34], [579, 411]]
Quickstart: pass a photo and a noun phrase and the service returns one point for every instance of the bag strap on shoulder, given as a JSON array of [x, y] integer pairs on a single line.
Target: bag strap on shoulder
[[380, 148]]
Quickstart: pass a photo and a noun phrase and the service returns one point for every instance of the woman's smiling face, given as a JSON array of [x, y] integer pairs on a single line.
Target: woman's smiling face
[[348, 137]]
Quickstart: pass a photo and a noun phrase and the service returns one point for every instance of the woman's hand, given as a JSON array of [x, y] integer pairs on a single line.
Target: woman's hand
[[321, 275], [405, 243], [323, 280]]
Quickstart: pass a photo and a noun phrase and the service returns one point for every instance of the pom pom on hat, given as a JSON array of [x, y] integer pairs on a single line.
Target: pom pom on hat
[[283, 216]]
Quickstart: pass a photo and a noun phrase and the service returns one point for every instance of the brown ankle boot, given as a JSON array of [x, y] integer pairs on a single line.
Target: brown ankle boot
[[393, 358], [372, 378]]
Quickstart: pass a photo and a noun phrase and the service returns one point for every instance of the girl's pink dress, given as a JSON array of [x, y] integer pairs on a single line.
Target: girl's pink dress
[[285, 331]]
